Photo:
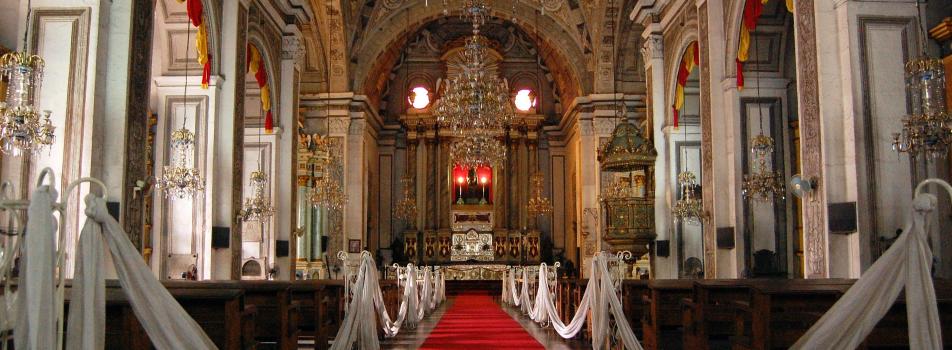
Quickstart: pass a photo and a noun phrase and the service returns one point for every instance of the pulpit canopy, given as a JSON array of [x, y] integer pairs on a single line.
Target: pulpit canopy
[[627, 150]]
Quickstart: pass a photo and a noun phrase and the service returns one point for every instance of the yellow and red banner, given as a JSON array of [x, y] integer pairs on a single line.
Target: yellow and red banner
[[195, 12], [690, 60], [753, 9], [256, 67]]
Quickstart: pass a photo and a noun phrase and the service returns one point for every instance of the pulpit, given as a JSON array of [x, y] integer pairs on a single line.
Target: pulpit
[[629, 200]]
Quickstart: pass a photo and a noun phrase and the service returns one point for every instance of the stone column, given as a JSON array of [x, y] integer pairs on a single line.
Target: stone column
[[412, 174], [513, 189], [443, 185], [284, 198], [533, 144], [653, 53], [431, 162], [815, 240], [222, 195]]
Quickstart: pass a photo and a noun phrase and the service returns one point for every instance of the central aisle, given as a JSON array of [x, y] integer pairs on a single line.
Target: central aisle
[[476, 322]]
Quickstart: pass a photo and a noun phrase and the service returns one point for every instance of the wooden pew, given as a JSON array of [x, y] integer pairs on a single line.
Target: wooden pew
[[708, 315], [219, 311], [661, 324], [633, 301], [322, 309], [780, 312]]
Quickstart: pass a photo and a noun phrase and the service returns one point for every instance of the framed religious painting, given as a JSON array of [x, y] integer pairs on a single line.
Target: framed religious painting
[[353, 246]]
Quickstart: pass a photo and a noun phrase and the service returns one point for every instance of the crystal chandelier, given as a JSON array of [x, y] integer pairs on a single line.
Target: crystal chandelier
[[406, 209], [763, 183], [179, 179], [927, 130], [327, 191], [538, 204], [478, 149], [475, 103], [258, 207], [688, 208], [22, 128]]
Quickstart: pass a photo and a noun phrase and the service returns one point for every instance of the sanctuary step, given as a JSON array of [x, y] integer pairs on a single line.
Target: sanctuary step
[[493, 288]]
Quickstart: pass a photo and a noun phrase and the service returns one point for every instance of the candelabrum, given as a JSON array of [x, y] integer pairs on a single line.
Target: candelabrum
[[179, 179], [258, 207], [328, 193], [926, 131], [406, 209], [763, 183], [22, 128], [538, 203], [688, 208]]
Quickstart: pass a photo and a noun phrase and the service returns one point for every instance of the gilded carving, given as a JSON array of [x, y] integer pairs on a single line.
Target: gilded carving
[[707, 154]]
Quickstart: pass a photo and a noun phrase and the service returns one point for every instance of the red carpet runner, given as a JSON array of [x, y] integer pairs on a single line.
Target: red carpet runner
[[476, 322]]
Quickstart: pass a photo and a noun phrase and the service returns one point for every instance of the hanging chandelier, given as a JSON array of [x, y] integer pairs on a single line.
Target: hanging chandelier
[[926, 131], [22, 128], [763, 183], [327, 191], [258, 207], [406, 209], [475, 103], [688, 208], [538, 204], [478, 149], [179, 179]]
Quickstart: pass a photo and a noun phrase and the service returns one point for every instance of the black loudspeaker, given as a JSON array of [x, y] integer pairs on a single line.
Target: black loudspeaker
[[113, 209], [281, 248], [725, 237], [663, 248], [324, 242], [220, 236], [842, 217]]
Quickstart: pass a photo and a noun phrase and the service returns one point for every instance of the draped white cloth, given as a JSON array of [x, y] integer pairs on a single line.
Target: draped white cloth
[[359, 325], [599, 298], [36, 318], [166, 322], [905, 264]]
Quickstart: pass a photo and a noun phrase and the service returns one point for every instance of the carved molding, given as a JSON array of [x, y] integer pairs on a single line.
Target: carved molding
[[340, 125], [814, 214], [292, 48], [709, 234], [652, 48]]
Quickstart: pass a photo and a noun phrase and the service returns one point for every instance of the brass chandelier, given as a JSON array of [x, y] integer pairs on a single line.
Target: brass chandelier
[[406, 209], [538, 204], [258, 207], [22, 128], [327, 190], [688, 208], [763, 183], [181, 179], [926, 131], [475, 103]]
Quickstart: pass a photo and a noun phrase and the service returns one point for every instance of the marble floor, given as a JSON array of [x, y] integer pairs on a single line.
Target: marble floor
[[413, 339]]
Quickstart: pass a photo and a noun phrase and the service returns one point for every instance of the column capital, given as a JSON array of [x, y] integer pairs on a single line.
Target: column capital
[[652, 48], [292, 48]]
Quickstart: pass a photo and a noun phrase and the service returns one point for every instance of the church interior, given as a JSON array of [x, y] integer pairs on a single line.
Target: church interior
[[476, 174]]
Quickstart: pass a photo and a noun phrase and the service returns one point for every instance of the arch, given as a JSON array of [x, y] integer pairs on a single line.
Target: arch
[[256, 39], [383, 46], [685, 40]]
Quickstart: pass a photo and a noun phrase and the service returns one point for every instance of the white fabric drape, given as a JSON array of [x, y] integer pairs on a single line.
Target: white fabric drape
[[36, 319], [359, 325], [599, 298], [164, 320], [905, 264]]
